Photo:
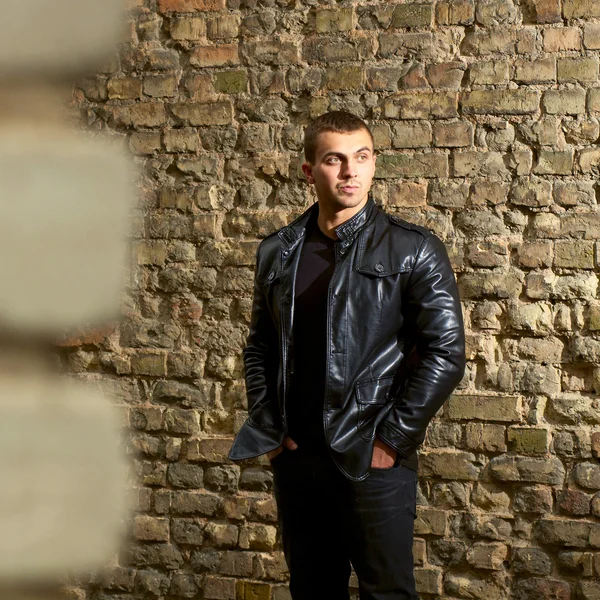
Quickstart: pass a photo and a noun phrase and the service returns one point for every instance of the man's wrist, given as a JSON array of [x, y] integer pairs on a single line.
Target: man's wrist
[[387, 432], [379, 439]]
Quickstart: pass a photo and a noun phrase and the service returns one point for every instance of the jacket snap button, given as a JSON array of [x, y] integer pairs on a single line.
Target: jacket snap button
[[379, 268], [271, 275]]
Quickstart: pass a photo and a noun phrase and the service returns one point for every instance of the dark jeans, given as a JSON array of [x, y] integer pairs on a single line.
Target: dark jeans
[[328, 522]]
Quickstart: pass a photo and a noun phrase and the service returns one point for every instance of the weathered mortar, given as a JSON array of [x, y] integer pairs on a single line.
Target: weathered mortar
[[485, 117]]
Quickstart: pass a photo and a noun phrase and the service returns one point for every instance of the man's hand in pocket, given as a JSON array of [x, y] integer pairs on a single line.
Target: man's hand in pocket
[[288, 443], [384, 456]]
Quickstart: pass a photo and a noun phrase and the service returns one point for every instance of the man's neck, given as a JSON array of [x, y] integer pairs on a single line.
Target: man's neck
[[328, 220]]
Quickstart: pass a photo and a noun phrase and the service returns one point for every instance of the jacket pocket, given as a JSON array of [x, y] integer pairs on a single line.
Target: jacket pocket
[[268, 282], [371, 395]]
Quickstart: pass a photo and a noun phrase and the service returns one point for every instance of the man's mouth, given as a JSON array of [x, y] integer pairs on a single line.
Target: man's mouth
[[348, 188]]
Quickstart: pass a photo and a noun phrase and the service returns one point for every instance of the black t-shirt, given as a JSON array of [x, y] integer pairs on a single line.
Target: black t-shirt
[[305, 409]]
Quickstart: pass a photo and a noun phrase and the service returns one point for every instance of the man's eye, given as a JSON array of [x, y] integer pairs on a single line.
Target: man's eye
[[362, 156]]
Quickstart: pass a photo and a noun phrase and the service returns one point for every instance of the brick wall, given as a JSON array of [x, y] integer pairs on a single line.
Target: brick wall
[[486, 121]]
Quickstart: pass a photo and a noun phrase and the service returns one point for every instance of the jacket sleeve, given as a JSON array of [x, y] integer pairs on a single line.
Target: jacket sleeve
[[261, 361], [433, 312], [263, 430]]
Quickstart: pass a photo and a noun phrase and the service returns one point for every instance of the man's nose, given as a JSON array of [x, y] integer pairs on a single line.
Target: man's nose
[[349, 169]]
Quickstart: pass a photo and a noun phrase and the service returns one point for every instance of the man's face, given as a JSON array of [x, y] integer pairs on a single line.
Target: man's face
[[343, 170]]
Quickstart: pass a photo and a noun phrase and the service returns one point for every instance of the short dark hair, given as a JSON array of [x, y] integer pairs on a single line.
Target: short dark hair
[[337, 121]]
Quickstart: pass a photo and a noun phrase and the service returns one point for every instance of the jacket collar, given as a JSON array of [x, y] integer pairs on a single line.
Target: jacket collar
[[346, 232]]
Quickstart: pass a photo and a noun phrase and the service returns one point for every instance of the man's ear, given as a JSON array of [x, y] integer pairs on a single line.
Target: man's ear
[[307, 169]]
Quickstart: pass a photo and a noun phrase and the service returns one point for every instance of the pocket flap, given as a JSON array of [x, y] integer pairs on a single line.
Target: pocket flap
[[379, 269], [374, 391]]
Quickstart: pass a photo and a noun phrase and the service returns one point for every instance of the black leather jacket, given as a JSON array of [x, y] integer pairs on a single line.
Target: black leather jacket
[[395, 338]]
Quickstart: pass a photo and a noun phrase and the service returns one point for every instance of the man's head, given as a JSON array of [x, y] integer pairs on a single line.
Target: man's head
[[339, 152]]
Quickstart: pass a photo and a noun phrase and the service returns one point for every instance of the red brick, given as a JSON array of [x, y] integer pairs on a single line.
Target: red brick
[[414, 79], [574, 502], [446, 74], [452, 135], [215, 56], [200, 86]]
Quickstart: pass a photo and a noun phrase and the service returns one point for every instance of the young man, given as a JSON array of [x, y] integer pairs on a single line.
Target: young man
[[356, 340]]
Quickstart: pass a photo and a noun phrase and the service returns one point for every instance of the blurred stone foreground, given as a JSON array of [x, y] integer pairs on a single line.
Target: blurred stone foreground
[[65, 205]]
